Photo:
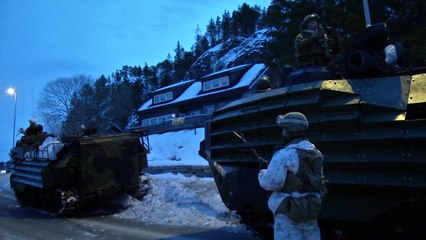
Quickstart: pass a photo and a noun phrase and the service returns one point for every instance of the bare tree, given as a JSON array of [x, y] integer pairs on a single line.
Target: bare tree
[[55, 101]]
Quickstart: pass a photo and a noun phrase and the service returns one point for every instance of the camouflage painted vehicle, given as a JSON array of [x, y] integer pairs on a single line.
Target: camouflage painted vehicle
[[59, 176], [371, 130]]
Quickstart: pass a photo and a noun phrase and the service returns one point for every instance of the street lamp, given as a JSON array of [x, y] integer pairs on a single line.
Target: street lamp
[[12, 91]]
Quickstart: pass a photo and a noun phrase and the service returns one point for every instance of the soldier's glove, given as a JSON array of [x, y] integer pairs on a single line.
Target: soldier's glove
[[262, 162], [318, 35]]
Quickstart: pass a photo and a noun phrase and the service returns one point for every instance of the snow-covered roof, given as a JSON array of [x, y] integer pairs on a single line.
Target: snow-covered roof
[[194, 90], [173, 85], [226, 70]]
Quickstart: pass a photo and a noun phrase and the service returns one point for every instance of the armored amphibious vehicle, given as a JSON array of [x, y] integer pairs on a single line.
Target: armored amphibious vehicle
[[371, 127], [58, 176]]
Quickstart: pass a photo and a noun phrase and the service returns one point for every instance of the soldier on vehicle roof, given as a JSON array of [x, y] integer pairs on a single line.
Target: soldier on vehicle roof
[[312, 45], [85, 132], [33, 129], [31, 133]]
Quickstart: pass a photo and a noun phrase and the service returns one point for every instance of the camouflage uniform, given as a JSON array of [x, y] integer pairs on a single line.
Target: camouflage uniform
[[285, 164], [312, 47], [285, 228]]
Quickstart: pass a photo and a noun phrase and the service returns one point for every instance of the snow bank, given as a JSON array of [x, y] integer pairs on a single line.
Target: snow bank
[[174, 200], [181, 201], [176, 148], [4, 182]]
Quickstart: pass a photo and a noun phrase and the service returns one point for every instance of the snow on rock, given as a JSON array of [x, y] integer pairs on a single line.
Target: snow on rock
[[181, 201], [233, 52]]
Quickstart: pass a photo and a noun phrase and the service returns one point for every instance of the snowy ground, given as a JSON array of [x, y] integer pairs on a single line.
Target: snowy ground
[[4, 182], [182, 201], [176, 148], [175, 199]]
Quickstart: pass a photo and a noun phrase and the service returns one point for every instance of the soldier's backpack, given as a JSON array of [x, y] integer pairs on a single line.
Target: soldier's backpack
[[308, 179]]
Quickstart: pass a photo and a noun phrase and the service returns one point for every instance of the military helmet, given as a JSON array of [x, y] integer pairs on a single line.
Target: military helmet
[[293, 122], [263, 83], [308, 18]]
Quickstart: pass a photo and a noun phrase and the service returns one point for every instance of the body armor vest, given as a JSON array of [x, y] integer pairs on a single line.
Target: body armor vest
[[309, 175], [312, 52]]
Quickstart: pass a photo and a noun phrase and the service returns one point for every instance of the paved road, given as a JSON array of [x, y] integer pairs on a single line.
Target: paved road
[[21, 223]]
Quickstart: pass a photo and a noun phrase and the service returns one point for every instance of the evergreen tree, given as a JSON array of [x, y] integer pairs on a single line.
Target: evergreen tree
[[137, 71], [116, 76], [102, 99], [120, 110], [200, 46], [218, 32], [81, 113], [139, 87], [151, 80], [260, 23], [211, 33], [201, 43], [166, 72], [247, 19], [189, 59], [177, 63], [179, 52], [226, 26], [180, 64], [235, 28]]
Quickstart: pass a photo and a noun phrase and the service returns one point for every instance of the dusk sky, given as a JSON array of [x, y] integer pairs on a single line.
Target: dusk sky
[[42, 40]]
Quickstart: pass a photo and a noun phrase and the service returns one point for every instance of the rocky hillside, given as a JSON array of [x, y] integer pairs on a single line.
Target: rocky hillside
[[233, 52]]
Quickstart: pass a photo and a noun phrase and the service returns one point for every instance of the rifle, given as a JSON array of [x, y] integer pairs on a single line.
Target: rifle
[[259, 158]]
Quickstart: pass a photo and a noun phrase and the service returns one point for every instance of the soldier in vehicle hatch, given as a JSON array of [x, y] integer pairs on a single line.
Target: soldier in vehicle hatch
[[32, 133], [312, 45], [294, 174], [33, 129], [85, 132]]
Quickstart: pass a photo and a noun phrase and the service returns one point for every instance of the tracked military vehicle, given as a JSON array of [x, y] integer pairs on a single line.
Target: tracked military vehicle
[[59, 176], [371, 128]]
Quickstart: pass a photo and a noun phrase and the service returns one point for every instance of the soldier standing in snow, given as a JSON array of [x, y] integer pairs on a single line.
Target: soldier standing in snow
[[295, 175], [312, 44]]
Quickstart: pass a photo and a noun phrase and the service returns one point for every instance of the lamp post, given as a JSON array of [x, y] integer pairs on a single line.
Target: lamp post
[[12, 91]]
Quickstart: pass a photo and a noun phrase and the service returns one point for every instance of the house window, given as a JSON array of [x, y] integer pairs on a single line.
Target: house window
[[216, 83], [161, 119], [157, 120], [210, 109], [207, 85], [154, 121], [163, 97], [145, 122]]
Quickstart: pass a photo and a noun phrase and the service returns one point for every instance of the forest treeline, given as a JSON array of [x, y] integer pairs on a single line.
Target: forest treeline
[[113, 98]]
